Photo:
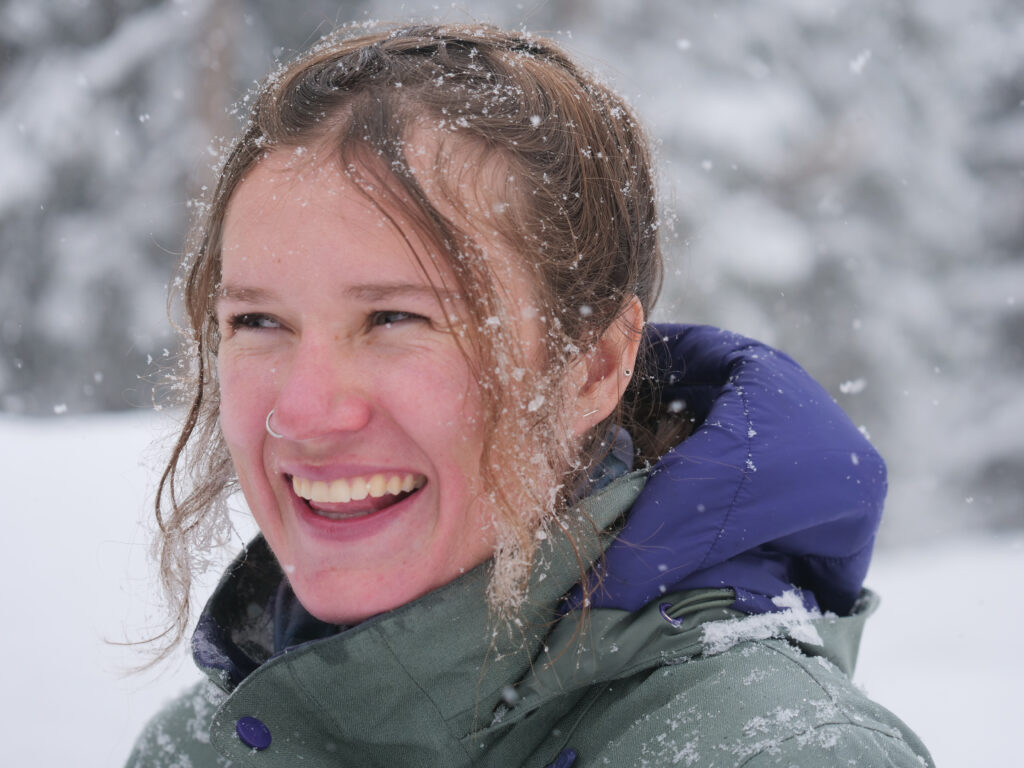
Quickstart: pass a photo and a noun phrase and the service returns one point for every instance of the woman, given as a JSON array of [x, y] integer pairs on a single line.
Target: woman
[[417, 301]]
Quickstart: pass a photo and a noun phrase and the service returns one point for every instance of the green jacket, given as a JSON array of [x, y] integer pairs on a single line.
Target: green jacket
[[432, 683]]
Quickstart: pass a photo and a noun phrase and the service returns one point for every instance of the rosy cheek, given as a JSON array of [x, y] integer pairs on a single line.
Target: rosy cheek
[[245, 401]]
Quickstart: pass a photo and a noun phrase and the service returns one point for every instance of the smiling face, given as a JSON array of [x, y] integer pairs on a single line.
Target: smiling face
[[575, 209], [371, 496]]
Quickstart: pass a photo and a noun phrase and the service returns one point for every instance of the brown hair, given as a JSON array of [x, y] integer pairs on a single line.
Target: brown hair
[[581, 210]]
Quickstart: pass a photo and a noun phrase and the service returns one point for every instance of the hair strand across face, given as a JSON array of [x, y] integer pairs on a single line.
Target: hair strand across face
[[559, 174]]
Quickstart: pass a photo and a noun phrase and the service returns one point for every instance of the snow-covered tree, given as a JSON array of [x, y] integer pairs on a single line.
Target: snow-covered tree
[[843, 179]]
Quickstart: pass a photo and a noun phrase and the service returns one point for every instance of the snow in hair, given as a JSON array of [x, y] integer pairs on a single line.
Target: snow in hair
[[577, 205]]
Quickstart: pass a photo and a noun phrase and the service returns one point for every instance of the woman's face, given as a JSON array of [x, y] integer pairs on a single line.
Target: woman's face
[[371, 497]]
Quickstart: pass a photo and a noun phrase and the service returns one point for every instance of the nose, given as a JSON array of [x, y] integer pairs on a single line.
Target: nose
[[321, 394]]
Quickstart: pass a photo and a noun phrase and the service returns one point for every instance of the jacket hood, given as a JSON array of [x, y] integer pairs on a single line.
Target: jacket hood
[[775, 489]]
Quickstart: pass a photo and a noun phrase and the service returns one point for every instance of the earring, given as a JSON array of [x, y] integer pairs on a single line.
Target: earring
[[270, 429], [628, 372]]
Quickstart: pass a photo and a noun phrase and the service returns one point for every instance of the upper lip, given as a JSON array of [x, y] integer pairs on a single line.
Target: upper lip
[[328, 472]]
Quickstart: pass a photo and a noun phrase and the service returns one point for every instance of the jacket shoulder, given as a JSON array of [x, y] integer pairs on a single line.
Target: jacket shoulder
[[760, 703], [178, 736]]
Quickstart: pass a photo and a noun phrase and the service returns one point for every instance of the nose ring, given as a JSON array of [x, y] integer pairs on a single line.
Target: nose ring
[[270, 429]]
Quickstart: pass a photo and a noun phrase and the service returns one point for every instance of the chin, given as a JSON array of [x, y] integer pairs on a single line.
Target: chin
[[339, 603]]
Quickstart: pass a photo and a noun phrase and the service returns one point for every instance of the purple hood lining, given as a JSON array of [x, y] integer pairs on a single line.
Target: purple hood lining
[[776, 488]]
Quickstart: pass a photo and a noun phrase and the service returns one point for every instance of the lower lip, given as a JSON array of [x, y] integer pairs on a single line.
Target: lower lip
[[351, 528]]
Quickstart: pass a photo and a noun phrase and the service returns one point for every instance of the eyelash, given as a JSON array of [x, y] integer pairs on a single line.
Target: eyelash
[[259, 321], [380, 318], [252, 320]]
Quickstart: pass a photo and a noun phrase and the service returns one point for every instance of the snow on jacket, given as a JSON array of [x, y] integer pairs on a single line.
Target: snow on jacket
[[703, 646]]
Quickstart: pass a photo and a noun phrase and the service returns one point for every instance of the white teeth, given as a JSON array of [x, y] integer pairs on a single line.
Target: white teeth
[[355, 488], [377, 486], [340, 491]]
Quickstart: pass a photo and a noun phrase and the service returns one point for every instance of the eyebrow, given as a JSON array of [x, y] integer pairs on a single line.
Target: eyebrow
[[243, 294], [380, 291], [361, 291]]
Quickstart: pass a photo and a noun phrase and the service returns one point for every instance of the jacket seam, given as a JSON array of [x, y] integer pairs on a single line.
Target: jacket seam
[[665, 659], [587, 706], [831, 696], [847, 724], [843, 558], [840, 705], [452, 736], [305, 689], [742, 394]]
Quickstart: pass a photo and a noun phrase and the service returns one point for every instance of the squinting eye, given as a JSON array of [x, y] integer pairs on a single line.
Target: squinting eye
[[253, 320], [392, 317]]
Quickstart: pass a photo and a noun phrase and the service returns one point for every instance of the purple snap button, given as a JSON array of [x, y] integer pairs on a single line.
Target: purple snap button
[[253, 732]]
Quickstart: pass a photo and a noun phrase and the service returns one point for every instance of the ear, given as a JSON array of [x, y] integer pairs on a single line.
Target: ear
[[602, 374]]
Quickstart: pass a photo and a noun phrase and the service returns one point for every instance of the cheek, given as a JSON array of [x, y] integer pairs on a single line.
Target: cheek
[[245, 400], [451, 400], [441, 402]]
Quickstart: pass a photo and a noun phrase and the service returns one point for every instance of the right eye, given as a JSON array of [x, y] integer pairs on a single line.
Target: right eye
[[253, 321], [390, 317]]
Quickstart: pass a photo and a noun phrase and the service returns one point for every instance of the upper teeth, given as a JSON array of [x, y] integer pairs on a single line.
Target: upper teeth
[[355, 488]]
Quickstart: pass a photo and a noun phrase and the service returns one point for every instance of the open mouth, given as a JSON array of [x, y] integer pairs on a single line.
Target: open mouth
[[355, 497]]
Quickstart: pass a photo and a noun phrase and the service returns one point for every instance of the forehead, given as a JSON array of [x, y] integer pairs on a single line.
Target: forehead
[[297, 179], [297, 221], [294, 195]]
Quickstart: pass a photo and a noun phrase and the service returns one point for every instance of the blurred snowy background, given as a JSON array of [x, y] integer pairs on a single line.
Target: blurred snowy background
[[844, 178]]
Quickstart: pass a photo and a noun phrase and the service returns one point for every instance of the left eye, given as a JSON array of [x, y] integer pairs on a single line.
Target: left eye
[[392, 317], [253, 321]]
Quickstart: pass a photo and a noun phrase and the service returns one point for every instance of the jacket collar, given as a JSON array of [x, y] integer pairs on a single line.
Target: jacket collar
[[433, 653]]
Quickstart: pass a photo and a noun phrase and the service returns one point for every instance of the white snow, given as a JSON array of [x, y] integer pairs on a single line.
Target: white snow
[[943, 651], [853, 387], [793, 621], [75, 567], [771, 248], [860, 61]]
